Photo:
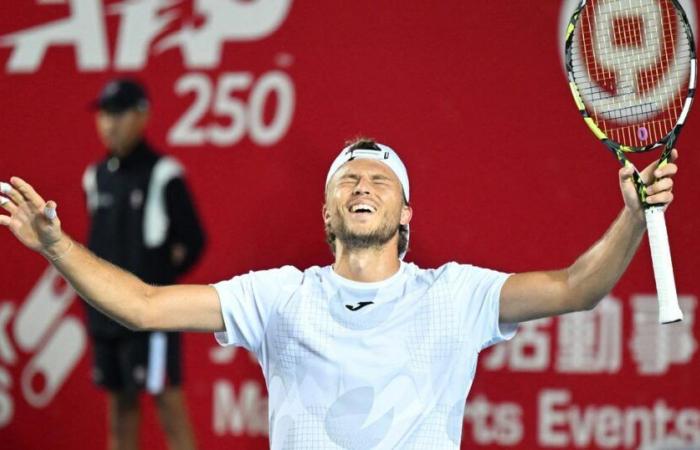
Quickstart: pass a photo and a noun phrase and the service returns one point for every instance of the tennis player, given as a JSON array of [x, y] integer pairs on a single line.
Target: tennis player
[[371, 352]]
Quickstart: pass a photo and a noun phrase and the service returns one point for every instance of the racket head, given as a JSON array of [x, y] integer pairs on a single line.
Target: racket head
[[631, 66]]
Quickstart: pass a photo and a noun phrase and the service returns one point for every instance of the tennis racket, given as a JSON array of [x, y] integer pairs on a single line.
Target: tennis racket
[[631, 68]]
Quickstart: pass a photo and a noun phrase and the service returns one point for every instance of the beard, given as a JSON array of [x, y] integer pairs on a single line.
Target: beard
[[353, 240]]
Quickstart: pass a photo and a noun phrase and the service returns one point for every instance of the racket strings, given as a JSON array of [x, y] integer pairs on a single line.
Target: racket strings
[[630, 64]]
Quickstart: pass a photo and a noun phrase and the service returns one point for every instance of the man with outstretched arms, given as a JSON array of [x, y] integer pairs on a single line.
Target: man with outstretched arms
[[371, 352]]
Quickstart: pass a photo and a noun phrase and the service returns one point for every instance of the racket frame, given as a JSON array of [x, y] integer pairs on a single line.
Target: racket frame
[[669, 310]]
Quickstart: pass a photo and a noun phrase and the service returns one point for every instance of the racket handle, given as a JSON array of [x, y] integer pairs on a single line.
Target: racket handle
[[669, 311]]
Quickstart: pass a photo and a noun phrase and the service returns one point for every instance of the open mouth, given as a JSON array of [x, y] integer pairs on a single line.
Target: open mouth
[[362, 208]]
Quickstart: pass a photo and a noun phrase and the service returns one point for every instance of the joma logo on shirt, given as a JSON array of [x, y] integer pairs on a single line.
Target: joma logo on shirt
[[358, 306]]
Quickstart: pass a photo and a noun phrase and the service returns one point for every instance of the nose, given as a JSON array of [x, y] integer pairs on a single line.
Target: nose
[[362, 186], [107, 124]]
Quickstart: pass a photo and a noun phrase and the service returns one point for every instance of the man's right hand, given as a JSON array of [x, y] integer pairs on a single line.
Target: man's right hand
[[119, 294], [32, 220]]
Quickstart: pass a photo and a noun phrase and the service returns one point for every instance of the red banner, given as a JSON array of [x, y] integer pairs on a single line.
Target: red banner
[[256, 98]]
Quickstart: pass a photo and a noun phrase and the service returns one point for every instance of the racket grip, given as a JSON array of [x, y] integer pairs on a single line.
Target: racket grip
[[669, 311]]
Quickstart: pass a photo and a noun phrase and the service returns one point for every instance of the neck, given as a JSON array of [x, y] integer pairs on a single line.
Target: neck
[[124, 152], [368, 264]]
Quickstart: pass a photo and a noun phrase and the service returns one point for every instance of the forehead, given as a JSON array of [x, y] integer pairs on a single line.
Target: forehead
[[365, 167], [126, 114]]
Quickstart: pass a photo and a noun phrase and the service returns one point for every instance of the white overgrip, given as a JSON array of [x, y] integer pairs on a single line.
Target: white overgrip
[[669, 311]]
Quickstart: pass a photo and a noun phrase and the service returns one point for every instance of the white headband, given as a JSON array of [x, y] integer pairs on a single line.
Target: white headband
[[385, 154]]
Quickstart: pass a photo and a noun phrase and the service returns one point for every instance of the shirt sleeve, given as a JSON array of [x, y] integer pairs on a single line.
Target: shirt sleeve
[[478, 291], [247, 302]]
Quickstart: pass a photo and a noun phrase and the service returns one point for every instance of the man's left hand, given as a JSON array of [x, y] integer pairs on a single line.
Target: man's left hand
[[658, 181]]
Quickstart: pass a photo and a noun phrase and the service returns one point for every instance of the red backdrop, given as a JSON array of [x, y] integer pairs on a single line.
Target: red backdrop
[[256, 97]]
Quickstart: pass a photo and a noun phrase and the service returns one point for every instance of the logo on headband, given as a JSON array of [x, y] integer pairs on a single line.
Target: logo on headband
[[372, 153]]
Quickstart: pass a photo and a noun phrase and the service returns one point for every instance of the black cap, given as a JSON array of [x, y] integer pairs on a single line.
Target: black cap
[[120, 95]]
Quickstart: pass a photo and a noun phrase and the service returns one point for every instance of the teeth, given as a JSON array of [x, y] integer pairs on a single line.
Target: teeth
[[360, 206]]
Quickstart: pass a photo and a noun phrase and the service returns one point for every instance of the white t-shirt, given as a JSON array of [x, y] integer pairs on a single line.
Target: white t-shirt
[[352, 365]]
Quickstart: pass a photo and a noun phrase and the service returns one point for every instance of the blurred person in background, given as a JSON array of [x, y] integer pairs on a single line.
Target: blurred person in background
[[143, 220]]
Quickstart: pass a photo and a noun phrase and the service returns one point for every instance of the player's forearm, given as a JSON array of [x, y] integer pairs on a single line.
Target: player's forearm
[[595, 273], [108, 288]]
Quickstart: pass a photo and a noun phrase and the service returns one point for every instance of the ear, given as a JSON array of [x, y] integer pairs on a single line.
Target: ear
[[406, 214], [325, 214]]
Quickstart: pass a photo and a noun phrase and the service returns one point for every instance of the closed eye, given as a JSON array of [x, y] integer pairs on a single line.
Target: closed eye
[[349, 178], [380, 179]]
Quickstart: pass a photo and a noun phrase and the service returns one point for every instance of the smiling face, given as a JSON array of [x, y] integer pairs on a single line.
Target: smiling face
[[365, 205]]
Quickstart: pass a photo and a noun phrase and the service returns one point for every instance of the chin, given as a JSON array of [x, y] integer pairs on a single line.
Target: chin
[[363, 229]]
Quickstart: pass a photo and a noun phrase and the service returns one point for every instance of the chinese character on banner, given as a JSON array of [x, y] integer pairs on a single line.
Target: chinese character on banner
[[591, 341], [529, 351], [655, 347]]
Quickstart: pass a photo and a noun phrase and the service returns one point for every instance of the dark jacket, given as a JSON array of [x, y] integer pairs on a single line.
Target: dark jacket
[[140, 206]]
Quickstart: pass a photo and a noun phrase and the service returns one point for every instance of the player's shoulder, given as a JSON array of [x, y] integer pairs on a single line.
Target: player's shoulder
[[284, 275], [433, 273], [264, 280], [285, 271], [447, 272], [314, 274]]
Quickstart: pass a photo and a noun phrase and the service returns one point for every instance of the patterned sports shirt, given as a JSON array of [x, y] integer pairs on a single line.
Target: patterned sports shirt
[[352, 365]]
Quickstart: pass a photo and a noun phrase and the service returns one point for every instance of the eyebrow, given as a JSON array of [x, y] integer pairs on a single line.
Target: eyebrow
[[355, 176]]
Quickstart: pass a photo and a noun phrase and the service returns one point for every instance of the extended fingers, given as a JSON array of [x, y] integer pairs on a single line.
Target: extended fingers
[[11, 193], [20, 192], [28, 193], [50, 210], [7, 205]]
